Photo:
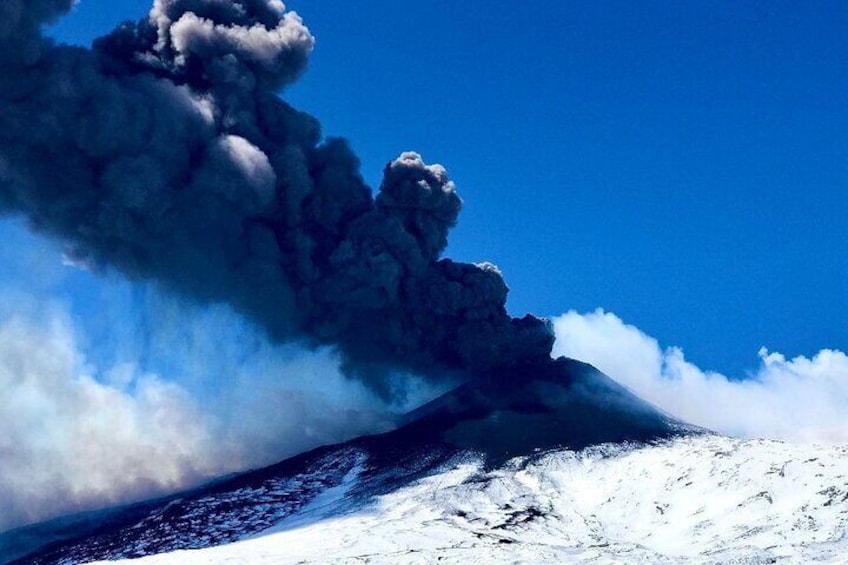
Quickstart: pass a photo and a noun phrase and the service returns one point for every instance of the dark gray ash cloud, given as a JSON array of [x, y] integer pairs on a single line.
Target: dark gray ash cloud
[[165, 152]]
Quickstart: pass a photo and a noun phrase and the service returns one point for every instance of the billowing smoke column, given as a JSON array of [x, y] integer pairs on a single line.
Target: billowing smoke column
[[166, 153]]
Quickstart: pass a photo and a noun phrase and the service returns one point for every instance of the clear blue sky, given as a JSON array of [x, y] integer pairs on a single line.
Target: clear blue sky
[[682, 164]]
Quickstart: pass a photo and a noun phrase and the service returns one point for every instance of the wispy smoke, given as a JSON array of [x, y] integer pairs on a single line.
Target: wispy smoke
[[62, 429], [165, 152], [77, 437], [162, 396], [801, 399]]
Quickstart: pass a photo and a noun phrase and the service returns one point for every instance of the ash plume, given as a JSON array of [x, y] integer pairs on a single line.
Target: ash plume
[[166, 153]]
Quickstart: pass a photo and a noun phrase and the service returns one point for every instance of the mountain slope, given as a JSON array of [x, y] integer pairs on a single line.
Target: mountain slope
[[697, 499], [561, 404]]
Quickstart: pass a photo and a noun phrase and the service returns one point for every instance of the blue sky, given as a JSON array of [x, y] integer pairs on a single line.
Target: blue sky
[[681, 164]]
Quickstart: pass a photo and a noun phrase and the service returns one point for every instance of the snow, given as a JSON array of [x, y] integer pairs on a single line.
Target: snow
[[329, 502], [705, 499]]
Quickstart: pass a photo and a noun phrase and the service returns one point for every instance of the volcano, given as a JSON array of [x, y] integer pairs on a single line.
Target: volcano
[[527, 410], [542, 463]]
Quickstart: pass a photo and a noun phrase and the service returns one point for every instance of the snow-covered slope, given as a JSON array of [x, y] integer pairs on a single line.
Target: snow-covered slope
[[546, 463], [559, 404], [698, 499]]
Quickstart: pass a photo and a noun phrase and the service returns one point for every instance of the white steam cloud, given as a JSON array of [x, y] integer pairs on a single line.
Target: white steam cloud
[[800, 399], [69, 439], [75, 436]]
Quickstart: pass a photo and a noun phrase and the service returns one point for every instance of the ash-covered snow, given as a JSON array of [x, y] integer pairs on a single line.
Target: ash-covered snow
[[696, 499]]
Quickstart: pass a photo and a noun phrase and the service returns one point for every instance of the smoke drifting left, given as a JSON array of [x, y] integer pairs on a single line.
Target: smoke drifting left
[[166, 153]]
